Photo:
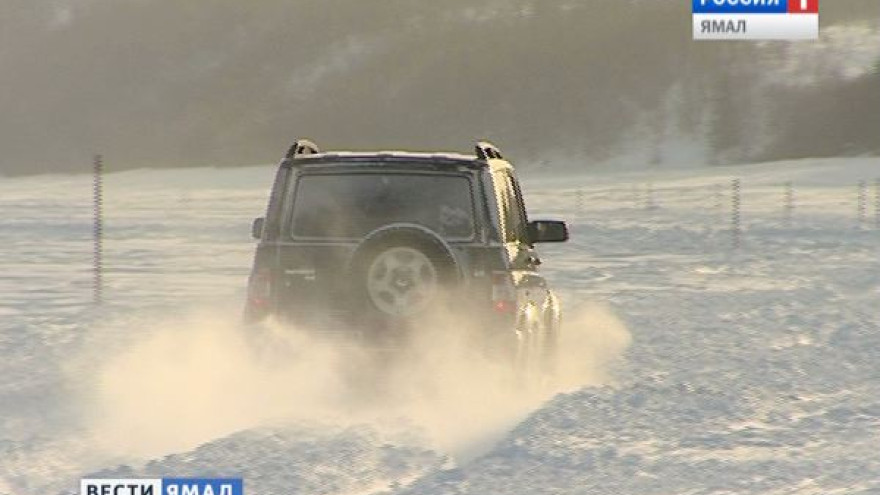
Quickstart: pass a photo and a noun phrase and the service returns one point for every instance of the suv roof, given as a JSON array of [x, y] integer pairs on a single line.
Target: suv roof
[[304, 153]]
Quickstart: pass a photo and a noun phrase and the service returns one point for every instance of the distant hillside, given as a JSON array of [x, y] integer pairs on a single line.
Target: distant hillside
[[169, 83]]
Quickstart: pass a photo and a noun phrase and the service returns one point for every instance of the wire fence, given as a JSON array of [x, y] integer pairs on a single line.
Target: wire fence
[[734, 205]]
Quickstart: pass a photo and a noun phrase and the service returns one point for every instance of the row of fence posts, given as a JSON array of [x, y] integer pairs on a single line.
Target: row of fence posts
[[877, 203], [862, 203], [788, 204], [646, 198], [648, 203], [735, 212], [98, 229]]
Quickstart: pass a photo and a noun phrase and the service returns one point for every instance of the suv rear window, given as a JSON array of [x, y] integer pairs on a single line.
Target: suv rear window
[[349, 206]]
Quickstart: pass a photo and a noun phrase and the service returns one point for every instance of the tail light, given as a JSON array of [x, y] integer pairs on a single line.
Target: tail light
[[503, 293], [259, 291]]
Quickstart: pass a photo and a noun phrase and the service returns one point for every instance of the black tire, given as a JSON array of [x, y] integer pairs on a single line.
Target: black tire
[[535, 359], [401, 273]]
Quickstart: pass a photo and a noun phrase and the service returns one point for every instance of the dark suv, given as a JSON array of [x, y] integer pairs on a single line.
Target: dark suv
[[369, 244]]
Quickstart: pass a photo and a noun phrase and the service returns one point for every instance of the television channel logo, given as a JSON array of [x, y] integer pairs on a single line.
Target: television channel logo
[[756, 19], [161, 486]]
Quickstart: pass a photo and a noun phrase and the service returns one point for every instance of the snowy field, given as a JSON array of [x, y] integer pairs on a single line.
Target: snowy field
[[693, 367]]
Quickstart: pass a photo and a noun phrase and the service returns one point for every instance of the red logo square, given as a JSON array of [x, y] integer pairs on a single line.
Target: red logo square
[[803, 6]]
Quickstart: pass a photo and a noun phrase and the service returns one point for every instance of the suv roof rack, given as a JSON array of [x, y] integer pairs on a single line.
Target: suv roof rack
[[302, 147], [486, 150]]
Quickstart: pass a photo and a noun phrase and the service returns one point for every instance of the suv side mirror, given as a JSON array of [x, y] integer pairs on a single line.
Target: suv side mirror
[[548, 231], [257, 227]]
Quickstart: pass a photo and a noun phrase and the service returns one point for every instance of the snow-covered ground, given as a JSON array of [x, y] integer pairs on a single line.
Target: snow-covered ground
[[693, 367]]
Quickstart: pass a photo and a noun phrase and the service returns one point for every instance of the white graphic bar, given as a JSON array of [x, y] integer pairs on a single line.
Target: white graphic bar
[[756, 26], [97, 486]]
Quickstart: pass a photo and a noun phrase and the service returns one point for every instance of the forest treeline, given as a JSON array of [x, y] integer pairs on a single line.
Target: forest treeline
[[569, 83]]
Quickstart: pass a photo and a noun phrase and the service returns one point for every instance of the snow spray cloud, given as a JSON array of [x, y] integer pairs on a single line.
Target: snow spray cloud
[[182, 382]]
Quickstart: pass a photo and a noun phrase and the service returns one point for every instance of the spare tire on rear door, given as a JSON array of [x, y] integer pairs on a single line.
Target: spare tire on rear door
[[402, 272]]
